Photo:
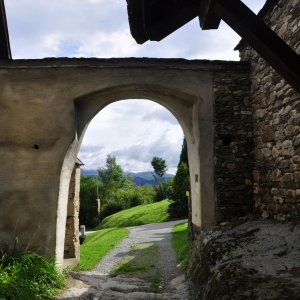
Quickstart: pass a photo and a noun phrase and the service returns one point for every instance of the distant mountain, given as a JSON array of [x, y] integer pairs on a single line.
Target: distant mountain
[[139, 178], [89, 172]]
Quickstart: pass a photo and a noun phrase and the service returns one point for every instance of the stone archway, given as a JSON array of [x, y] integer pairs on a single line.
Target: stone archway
[[185, 107], [46, 106]]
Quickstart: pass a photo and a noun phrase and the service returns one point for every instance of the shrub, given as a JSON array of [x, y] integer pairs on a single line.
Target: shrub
[[110, 209], [29, 276], [135, 196], [164, 190]]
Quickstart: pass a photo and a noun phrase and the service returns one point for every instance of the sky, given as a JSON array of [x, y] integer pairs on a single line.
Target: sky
[[99, 28]]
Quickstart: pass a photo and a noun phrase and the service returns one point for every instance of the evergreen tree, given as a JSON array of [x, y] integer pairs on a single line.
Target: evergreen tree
[[181, 184]]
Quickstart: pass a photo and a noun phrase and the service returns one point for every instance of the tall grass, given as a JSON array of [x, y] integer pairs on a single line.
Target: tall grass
[[29, 276]]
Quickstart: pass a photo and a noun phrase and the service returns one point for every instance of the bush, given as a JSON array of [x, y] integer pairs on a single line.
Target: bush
[[29, 276], [110, 209], [164, 190], [135, 196]]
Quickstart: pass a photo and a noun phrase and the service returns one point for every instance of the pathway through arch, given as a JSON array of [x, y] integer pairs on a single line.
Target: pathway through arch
[[97, 284]]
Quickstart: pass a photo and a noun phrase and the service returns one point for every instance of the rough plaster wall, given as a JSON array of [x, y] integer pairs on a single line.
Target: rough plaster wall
[[39, 133], [276, 116], [233, 149]]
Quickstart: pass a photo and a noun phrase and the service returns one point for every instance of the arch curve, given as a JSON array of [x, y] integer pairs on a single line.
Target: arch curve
[[180, 104]]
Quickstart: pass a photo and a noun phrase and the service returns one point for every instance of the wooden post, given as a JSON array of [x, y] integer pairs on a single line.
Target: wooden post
[[259, 36]]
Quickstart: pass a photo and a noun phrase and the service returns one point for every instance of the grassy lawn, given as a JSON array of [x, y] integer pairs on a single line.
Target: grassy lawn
[[139, 215], [98, 244], [142, 263], [181, 245]]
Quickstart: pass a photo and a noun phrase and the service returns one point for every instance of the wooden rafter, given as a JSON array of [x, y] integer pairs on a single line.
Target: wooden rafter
[[155, 19], [261, 38], [5, 52]]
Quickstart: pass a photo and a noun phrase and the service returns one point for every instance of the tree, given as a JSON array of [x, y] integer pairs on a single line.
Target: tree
[[181, 184], [111, 178], [160, 167], [183, 154], [88, 194]]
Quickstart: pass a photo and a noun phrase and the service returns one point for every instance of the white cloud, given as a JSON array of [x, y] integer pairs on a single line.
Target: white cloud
[[102, 44], [124, 130]]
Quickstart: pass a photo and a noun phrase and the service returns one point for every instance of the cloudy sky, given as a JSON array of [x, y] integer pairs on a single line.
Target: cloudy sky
[[99, 28]]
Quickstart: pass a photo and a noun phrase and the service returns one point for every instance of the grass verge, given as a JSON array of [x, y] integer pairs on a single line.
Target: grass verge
[[181, 245], [29, 276], [141, 263], [98, 244], [139, 215]]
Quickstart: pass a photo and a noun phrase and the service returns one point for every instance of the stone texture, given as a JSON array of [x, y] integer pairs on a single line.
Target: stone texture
[[233, 144], [254, 260], [72, 245], [276, 116]]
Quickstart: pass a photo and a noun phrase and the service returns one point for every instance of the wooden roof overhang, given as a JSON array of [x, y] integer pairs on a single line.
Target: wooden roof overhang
[[155, 19], [5, 52]]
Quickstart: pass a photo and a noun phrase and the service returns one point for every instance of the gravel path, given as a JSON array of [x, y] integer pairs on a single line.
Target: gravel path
[[97, 285]]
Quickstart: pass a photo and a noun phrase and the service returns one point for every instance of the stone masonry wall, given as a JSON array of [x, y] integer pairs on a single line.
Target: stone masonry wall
[[72, 246], [276, 117], [233, 144]]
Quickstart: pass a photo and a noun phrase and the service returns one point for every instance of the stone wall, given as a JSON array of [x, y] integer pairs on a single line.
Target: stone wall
[[233, 144], [72, 246], [276, 118]]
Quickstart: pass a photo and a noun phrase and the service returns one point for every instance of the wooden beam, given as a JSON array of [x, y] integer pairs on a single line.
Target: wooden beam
[[207, 16], [173, 19], [259, 36], [5, 52], [155, 19]]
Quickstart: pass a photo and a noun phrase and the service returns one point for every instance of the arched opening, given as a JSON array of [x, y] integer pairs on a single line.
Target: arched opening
[[185, 108]]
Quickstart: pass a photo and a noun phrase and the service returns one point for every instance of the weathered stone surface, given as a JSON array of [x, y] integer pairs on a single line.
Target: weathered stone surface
[[276, 109], [72, 245], [234, 155], [255, 260]]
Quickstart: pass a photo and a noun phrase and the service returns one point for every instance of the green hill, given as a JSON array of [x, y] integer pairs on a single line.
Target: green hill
[[139, 215]]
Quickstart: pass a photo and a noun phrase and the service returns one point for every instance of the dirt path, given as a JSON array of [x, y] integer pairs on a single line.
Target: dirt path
[[96, 284]]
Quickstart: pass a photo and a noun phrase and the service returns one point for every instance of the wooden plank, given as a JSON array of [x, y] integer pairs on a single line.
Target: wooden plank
[[259, 36], [5, 52]]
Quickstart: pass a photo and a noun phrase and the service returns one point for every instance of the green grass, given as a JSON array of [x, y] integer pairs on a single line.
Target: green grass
[[181, 245], [139, 215], [29, 276], [142, 263], [98, 244]]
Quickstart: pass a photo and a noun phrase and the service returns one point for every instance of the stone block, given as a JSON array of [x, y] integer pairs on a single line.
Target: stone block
[[297, 176]]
